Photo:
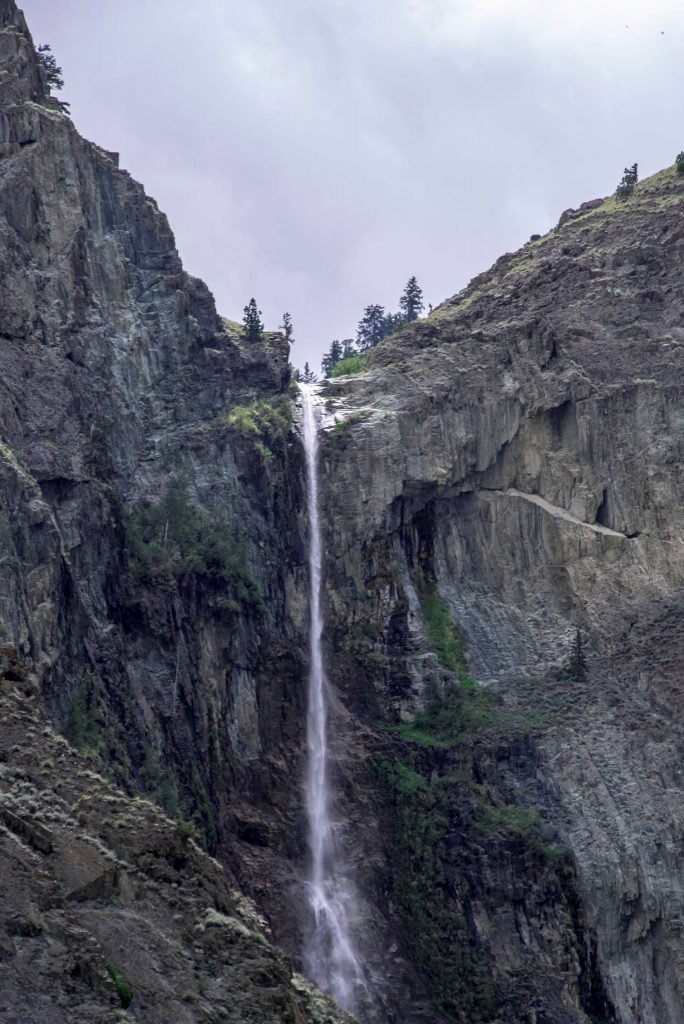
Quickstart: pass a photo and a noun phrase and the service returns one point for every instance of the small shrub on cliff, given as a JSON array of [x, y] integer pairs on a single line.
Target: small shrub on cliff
[[268, 420], [346, 367], [440, 631], [123, 989], [679, 163]]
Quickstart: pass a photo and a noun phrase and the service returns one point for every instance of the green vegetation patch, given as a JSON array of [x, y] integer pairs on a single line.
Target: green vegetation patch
[[123, 989], [429, 788], [265, 421], [94, 726], [440, 630], [265, 418], [347, 367], [436, 934], [460, 708], [177, 538], [342, 427]]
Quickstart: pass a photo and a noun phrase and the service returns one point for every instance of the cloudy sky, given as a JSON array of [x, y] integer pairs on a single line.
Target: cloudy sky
[[317, 153]]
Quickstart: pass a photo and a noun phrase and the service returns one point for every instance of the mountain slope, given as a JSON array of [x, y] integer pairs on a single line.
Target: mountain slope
[[522, 448]]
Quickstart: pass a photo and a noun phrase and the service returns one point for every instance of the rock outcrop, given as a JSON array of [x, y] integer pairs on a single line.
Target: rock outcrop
[[110, 912], [150, 494], [521, 448]]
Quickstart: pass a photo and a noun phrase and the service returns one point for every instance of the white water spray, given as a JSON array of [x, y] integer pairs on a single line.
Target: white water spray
[[329, 957]]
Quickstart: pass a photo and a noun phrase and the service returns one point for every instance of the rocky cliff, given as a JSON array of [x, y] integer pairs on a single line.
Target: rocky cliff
[[521, 450], [110, 912], [502, 493], [152, 559]]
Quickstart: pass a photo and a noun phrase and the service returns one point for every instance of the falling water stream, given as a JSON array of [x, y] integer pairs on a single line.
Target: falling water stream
[[329, 956]]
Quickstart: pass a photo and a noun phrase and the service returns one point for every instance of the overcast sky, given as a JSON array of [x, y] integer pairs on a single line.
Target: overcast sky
[[317, 153]]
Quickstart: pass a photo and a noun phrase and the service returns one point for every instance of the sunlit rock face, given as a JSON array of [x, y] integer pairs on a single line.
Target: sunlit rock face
[[523, 447]]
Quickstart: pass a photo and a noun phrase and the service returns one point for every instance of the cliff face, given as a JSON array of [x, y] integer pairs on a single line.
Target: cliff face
[[150, 490], [511, 464], [521, 449], [110, 911]]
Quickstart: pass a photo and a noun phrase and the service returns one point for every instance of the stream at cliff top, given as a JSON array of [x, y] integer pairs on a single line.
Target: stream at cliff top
[[330, 959]]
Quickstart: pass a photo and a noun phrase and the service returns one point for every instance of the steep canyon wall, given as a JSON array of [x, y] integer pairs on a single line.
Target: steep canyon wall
[[511, 465]]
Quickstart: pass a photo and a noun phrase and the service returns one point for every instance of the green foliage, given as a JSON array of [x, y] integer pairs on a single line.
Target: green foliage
[[286, 327], [460, 708], [267, 420], [264, 416], [440, 631], [509, 821], [52, 72], [261, 450], [5, 631], [123, 989], [577, 663], [350, 365], [371, 328], [393, 323], [186, 829], [452, 715], [94, 726], [177, 538], [411, 302], [158, 784], [436, 934], [331, 357], [203, 814], [628, 182], [252, 324], [679, 163], [432, 797], [341, 428]]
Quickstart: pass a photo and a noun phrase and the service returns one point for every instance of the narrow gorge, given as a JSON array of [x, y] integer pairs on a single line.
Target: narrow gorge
[[361, 700]]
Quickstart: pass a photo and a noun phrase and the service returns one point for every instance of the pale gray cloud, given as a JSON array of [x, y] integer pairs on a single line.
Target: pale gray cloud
[[316, 153]]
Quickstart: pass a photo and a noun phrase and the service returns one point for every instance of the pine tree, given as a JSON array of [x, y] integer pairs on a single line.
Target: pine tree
[[349, 349], [308, 376], [331, 358], [52, 72], [286, 327], [253, 328], [393, 321], [577, 662], [371, 327], [411, 302]]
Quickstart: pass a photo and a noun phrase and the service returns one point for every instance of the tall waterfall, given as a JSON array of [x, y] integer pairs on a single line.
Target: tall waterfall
[[329, 957]]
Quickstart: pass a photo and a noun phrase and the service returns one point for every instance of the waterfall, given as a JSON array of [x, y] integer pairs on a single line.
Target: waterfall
[[329, 957]]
